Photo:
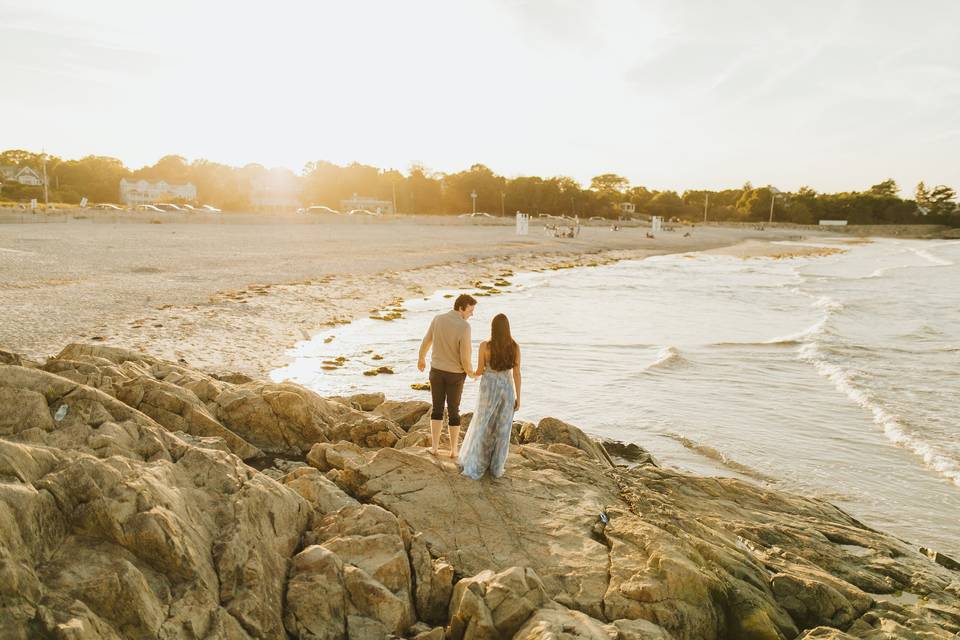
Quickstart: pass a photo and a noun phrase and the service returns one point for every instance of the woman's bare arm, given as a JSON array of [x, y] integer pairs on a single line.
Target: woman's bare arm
[[481, 358], [517, 380]]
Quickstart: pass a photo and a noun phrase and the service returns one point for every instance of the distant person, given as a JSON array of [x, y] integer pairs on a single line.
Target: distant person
[[449, 335], [487, 441]]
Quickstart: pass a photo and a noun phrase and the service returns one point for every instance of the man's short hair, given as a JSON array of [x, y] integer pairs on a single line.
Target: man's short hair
[[463, 301]]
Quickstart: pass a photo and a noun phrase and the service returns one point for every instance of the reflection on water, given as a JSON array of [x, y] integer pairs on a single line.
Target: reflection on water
[[830, 375]]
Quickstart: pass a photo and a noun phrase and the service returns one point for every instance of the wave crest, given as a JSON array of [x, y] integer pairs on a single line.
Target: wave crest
[[667, 358], [893, 426]]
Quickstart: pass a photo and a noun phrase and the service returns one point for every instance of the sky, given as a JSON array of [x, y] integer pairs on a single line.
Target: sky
[[678, 94]]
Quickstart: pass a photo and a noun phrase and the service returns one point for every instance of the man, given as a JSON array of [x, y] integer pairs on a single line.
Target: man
[[450, 364]]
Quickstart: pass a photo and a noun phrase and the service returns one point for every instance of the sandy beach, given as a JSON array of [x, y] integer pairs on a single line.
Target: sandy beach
[[233, 293]]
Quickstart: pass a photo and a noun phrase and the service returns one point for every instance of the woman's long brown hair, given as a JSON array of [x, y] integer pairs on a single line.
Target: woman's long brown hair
[[503, 350]]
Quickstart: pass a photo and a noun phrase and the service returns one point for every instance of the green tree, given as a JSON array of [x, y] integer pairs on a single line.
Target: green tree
[[922, 195], [754, 204], [941, 200], [886, 188], [609, 183], [94, 177]]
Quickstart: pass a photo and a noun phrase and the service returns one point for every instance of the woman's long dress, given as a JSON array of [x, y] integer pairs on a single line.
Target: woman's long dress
[[487, 442]]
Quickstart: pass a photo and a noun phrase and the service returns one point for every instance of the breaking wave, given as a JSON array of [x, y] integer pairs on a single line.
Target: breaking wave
[[893, 426], [667, 358]]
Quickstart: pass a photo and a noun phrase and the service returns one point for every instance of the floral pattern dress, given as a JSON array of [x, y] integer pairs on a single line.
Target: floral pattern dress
[[485, 447]]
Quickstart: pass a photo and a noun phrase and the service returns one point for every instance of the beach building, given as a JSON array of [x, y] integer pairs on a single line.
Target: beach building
[[277, 190], [384, 207], [134, 192], [20, 175], [628, 208]]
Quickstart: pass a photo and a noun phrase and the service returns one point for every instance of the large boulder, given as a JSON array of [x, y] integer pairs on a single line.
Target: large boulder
[[433, 578], [490, 605], [316, 596], [361, 401], [289, 419], [179, 409], [555, 621], [405, 414], [552, 431], [376, 572]]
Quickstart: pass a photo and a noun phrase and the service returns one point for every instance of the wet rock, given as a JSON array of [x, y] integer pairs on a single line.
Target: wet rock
[[628, 452], [941, 559]]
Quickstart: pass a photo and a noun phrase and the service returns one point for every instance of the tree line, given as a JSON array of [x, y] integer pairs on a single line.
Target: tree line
[[419, 190]]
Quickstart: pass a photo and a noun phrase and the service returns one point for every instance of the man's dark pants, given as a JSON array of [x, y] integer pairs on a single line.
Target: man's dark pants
[[446, 387]]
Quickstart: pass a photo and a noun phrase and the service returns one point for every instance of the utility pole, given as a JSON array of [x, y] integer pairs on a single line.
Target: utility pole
[[706, 203], [774, 192], [503, 195], [46, 199], [394, 185], [473, 195]]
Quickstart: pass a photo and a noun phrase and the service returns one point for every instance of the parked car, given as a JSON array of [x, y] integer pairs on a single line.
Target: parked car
[[318, 208], [108, 206], [166, 206], [189, 207], [149, 207], [211, 209], [365, 212]]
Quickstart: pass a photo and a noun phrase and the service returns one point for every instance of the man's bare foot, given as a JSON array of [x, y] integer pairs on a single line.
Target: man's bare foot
[[434, 452], [453, 454]]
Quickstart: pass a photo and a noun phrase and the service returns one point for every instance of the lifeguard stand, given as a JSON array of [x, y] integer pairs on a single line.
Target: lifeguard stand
[[523, 224]]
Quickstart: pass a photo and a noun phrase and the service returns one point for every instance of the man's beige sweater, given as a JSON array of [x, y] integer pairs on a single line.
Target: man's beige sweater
[[450, 336]]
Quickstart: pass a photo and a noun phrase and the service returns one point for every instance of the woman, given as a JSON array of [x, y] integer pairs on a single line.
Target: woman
[[487, 441]]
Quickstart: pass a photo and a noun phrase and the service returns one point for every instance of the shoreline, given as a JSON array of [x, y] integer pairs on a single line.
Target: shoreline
[[237, 297]]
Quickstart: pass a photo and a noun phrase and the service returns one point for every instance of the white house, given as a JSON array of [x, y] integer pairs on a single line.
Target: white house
[[627, 207], [278, 190], [22, 175], [144, 192], [370, 204]]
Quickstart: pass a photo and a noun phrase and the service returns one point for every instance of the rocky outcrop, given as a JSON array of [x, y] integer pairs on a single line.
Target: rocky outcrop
[[406, 414], [110, 526], [552, 431], [126, 511]]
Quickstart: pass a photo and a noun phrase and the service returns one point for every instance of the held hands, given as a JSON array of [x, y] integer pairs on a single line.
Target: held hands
[[516, 404], [421, 364]]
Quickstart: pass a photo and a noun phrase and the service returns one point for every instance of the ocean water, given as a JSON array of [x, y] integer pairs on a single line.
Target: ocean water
[[836, 377]]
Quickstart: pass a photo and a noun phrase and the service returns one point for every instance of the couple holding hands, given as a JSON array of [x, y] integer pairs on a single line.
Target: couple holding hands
[[487, 441]]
